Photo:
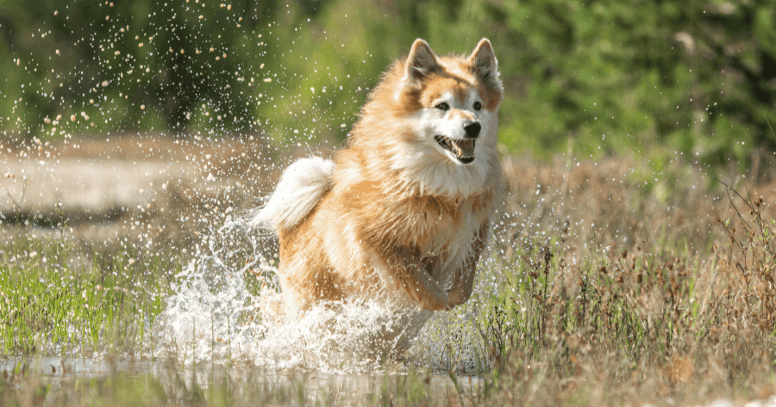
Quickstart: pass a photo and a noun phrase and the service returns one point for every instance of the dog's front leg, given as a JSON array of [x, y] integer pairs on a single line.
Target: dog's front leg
[[463, 281], [410, 274], [462, 285]]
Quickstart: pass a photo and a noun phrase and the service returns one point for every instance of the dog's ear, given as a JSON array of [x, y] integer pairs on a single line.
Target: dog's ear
[[421, 62], [484, 63]]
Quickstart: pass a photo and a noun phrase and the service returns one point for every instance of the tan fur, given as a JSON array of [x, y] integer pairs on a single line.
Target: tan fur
[[381, 233]]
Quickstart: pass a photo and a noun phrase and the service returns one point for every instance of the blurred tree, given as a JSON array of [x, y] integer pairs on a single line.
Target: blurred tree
[[697, 76], [127, 65], [611, 74]]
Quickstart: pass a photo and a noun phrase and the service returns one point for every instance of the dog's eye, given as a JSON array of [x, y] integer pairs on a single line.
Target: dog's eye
[[443, 106], [477, 105]]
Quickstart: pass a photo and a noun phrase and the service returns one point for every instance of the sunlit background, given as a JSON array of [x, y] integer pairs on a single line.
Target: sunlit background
[[606, 77]]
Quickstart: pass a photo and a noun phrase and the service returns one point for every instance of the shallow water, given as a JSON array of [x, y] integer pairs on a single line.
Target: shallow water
[[57, 367], [65, 379]]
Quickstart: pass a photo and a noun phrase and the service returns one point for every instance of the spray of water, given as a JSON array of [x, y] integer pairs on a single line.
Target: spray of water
[[225, 307]]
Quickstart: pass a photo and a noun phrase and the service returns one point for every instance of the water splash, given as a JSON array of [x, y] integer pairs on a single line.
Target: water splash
[[210, 314], [225, 307]]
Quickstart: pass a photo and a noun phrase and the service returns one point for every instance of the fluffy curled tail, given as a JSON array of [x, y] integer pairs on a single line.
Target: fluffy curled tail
[[301, 187]]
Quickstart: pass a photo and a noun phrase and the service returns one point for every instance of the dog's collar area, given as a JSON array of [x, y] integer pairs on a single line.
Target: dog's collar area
[[462, 150]]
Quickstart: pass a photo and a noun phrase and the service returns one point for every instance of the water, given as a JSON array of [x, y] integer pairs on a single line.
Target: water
[[56, 381], [58, 367]]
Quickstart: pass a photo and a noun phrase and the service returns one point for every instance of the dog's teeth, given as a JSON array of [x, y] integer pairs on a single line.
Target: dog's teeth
[[462, 149]]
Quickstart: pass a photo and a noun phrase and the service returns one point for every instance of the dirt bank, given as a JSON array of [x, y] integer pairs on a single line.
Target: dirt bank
[[147, 188]]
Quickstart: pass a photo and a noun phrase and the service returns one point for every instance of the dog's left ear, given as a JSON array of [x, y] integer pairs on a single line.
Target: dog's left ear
[[484, 63]]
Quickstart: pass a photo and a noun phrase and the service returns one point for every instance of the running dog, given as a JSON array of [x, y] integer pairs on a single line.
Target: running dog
[[402, 214]]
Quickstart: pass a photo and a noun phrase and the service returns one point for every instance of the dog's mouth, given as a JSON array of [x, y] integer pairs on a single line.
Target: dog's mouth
[[463, 150]]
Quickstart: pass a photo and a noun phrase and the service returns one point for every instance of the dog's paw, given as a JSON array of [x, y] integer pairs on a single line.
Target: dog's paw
[[435, 301], [457, 296], [434, 305]]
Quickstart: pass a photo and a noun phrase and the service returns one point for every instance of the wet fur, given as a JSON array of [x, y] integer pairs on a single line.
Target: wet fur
[[394, 218]]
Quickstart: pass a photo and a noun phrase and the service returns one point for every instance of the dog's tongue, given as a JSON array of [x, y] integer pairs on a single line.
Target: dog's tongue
[[465, 148]]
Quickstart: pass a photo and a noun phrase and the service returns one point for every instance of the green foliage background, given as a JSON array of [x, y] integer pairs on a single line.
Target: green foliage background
[[697, 76]]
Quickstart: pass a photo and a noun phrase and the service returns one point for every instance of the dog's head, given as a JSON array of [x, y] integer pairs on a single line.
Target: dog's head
[[453, 100], [434, 120]]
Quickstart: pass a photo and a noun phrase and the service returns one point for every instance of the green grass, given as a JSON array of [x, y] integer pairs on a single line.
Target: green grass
[[56, 300]]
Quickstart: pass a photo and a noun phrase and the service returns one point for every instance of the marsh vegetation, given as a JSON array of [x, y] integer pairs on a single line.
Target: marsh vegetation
[[597, 289], [633, 261]]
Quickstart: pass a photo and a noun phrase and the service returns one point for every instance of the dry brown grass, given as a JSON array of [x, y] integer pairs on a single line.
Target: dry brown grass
[[619, 293]]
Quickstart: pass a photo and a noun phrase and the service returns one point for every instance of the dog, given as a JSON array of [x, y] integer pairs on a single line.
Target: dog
[[402, 214]]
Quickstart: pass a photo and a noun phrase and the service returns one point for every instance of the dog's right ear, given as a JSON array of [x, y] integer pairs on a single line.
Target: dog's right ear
[[421, 62]]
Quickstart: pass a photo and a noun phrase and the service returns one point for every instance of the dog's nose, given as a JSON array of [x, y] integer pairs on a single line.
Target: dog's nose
[[472, 130]]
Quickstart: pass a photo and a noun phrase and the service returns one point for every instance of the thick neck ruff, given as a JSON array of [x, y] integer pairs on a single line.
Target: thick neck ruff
[[423, 173]]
